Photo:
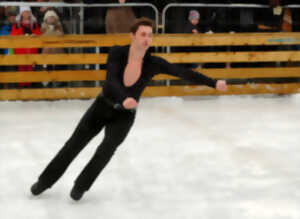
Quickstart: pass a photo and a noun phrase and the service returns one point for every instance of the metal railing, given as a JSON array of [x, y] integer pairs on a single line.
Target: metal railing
[[82, 6], [200, 5]]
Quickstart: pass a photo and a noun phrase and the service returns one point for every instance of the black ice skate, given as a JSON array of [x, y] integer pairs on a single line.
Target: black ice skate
[[38, 188], [76, 194]]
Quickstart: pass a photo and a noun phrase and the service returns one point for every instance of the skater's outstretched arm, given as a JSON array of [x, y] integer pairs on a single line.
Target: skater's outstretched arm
[[188, 74]]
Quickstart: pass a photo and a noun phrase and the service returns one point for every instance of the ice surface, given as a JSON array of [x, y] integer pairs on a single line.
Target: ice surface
[[233, 157]]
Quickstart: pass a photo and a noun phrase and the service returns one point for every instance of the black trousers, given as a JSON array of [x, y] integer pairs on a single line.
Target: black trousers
[[101, 114]]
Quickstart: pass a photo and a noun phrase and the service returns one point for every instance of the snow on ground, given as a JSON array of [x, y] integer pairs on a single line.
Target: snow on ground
[[227, 157]]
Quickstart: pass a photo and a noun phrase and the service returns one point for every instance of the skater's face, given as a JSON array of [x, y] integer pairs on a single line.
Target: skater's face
[[143, 37]]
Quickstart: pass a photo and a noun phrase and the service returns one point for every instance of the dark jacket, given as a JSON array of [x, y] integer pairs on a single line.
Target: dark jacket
[[188, 28]]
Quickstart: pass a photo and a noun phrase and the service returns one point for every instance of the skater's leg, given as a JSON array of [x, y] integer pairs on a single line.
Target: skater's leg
[[89, 126], [115, 132]]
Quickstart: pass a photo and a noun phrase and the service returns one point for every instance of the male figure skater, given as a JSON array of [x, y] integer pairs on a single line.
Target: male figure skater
[[129, 68]]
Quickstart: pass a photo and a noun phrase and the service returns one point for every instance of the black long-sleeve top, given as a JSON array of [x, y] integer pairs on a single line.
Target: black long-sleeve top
[[114, 88]]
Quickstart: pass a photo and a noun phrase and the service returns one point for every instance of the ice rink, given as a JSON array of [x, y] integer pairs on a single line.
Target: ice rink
[[231, 157]]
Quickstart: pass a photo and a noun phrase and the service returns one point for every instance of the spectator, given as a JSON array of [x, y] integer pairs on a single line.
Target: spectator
[[26, 25], [271, 20], [119, 19], [286, 26], [11, 13], [52, 26], [192, 26], [39, 12], [276, 19], [287, 22]]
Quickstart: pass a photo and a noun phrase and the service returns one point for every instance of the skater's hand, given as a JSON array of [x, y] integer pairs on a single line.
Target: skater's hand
[[221, 85], [130, 103]]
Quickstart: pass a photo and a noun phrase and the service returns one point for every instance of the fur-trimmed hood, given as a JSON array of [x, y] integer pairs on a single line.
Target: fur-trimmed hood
[[33, 19]]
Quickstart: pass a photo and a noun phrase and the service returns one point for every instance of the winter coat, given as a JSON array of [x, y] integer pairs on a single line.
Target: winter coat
[[23, 30], [119, 19], [52, 30]]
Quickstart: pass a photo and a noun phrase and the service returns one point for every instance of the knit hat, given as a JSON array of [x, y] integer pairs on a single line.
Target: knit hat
[[194, 15], [49, 14]]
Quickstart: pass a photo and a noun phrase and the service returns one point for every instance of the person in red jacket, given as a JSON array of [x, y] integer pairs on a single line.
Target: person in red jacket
[[26, 25]]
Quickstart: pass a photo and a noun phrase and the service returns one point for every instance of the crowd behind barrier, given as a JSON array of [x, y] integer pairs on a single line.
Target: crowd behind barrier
[[57, 17], [259, 16]]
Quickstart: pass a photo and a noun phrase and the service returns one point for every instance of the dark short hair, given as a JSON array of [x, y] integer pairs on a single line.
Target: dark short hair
[[143, 21]]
